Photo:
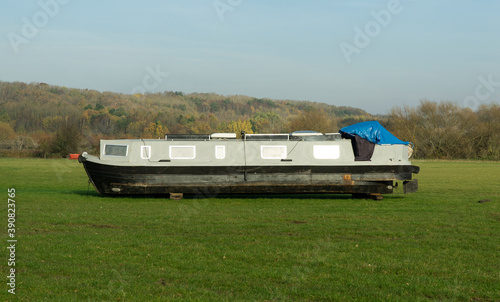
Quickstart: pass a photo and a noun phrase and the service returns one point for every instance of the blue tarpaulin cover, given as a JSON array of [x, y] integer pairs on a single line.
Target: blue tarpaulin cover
[[374, 132]]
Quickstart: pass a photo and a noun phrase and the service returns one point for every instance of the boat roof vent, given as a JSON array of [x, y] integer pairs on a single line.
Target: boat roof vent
[[222, 135], [305, 133], [267, 137], [333, 136], [185, 137]]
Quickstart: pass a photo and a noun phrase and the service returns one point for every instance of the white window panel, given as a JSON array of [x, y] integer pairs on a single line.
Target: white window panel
[[182, 152], [220, 152], [273, 152], [145, 152], [326, 151]]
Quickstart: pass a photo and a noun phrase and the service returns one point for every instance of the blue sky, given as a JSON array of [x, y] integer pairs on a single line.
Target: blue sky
[[372, 55]]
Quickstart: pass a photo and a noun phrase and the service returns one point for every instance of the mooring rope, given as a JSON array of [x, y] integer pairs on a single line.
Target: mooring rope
[[88, 187]]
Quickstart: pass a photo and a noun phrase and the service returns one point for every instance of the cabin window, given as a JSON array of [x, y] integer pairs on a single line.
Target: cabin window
[[145, 152], [182, 152], [116, 150], [220, 152], [326, 151], [273, 152]]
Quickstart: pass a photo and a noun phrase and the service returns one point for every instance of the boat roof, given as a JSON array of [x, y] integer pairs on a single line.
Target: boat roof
[[297, 135]]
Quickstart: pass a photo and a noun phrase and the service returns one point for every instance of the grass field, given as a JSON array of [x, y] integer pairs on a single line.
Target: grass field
[[74, 245]]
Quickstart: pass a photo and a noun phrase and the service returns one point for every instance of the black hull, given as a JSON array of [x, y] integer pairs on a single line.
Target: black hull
[[213, 180]]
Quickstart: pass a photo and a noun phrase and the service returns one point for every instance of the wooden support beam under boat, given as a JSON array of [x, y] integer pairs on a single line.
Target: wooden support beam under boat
[[176, 196]]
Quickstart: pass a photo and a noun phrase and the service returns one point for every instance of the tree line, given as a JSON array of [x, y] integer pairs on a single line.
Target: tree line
[[41, 120], [447, 131]]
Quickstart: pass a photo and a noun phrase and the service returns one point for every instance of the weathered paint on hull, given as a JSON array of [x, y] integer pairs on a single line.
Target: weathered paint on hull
[[210, 180]]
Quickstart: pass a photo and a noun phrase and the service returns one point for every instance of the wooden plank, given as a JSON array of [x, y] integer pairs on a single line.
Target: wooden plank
[[176, 196]]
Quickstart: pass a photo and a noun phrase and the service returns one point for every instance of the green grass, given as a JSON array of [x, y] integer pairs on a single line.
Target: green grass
[[74, 245]]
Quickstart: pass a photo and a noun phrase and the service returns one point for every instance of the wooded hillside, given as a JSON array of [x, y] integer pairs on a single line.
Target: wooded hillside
[[42, 120], [50, 121]]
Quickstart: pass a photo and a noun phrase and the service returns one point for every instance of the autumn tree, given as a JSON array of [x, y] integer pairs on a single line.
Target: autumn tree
[[155, 130], [236, 127], [315, 120], [489, 127], [445, 130], [67, 138], [6, 132], [267, 122]]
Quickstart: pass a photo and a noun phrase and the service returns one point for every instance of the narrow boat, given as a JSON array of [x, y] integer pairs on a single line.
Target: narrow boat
[[363, 159]]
